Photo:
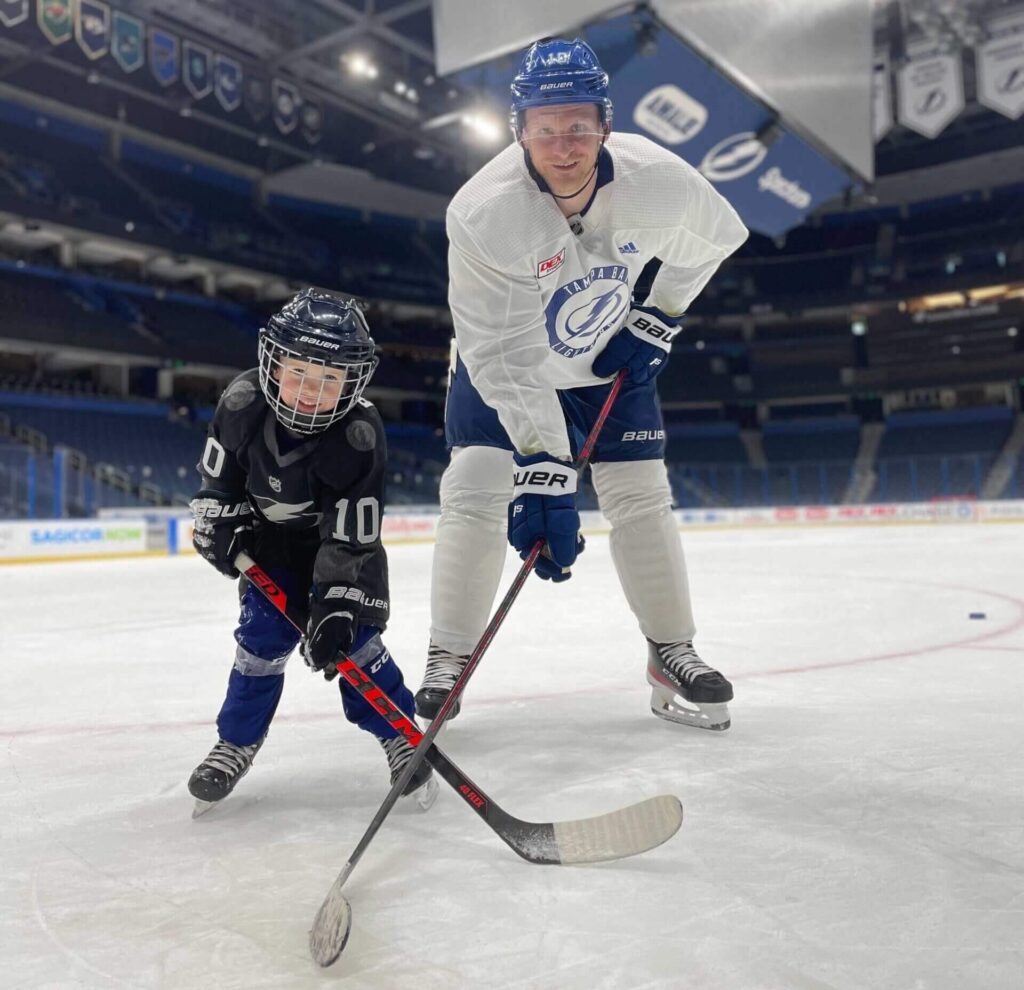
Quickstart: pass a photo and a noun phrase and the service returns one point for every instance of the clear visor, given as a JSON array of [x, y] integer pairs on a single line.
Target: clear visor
[[547, 135], [309, 394]]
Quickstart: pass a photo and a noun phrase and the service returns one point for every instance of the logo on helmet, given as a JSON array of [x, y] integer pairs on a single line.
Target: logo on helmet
[[317, 342]]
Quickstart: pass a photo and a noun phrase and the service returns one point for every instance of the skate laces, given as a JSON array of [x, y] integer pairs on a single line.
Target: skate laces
[[399, 752], [682, 660], [230, 758], [443, 669]]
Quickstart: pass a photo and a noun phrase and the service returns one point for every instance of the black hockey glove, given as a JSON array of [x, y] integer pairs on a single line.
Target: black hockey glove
[[223, 529], [332, 625], [641, 345]]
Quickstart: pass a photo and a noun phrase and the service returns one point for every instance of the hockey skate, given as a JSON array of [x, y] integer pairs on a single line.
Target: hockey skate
[[215, 778], [685, 689], [421, 791], [443, 668]]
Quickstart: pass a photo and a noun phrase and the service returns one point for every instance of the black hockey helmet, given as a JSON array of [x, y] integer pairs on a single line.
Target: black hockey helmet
[[316, 358]]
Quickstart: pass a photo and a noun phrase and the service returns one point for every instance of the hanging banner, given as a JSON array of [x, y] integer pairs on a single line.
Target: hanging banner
[[196, 69], [312, 121], [227, 82], [931, 93], [163, 56], [13, 12], [285, 100], [54, 20], [881, 97], [92, 28], [1000, 69], [771, 176], [257, 97], [126, 41]]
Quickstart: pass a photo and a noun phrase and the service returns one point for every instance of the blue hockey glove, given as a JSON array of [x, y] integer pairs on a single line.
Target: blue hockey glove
[[641, 345], [223, 529], [331, 629], [544, 505]]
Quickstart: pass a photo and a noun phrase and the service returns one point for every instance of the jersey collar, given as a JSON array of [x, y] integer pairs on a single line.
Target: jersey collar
[[605, 174]]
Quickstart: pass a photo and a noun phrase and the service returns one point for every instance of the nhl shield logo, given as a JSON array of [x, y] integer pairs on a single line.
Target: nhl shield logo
[[126, 44], [275, 483], [163, 56]]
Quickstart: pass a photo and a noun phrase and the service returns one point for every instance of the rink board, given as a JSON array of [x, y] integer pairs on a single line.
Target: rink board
[[168, 532]]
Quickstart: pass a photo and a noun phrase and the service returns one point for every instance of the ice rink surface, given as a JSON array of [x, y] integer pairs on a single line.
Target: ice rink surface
[[860, 827]]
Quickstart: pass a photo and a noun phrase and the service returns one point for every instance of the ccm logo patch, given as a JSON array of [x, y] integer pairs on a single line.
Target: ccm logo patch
[[552, 264]]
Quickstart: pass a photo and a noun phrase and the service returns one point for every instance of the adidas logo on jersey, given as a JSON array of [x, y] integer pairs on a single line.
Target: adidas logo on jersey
[[628, 248]]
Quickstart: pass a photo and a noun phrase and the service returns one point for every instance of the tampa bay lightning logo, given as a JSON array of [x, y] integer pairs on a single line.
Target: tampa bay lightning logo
[[582, 310]]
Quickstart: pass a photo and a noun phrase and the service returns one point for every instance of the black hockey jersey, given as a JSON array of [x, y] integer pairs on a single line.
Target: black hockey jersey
[[318, 500]]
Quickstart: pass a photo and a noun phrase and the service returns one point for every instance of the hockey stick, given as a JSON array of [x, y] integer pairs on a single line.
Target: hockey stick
[[660, 816], [614, 835]]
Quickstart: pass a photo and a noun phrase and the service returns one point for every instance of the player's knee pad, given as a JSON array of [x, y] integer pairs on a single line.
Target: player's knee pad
[[375, 658], [478, 483], [628, 490]]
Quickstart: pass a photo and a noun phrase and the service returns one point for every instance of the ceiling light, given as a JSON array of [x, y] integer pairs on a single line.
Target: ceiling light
[[400, 86], [482, 126]]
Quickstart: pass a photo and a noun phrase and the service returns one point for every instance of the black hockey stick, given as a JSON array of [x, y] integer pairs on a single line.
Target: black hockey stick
[[614, 835]]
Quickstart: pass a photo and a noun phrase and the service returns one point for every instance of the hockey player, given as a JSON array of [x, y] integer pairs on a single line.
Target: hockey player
[[546, 243], [293, 474]]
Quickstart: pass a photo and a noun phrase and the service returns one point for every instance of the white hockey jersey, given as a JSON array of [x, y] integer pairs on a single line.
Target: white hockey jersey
[[534, 303]]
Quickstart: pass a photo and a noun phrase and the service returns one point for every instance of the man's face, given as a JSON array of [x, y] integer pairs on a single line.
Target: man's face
[[563, 142], [308, 387]]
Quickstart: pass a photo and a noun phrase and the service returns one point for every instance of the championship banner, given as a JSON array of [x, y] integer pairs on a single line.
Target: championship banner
[[163, 56], [13, 12], [311, 120], [257, 97], [285, 101], [227, 82], [772, 177], [92, 28], [881, 97], [126, 42], [55, 20], [1000, 68], [196, 69], [931, 93]]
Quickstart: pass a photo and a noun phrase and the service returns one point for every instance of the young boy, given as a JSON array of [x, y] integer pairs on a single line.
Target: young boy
[[293, 474]]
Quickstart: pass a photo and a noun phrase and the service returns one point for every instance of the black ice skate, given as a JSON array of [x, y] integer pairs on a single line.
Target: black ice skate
[[676, 673], [421, 791], [215, 778], [442, 670]]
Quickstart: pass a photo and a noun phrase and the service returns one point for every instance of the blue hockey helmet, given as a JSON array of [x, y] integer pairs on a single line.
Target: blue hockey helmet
[[318, 350], [557, 72]]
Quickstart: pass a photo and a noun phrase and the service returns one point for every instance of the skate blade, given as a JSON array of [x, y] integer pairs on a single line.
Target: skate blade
[[421, 799], [201, 807], [675, 709]]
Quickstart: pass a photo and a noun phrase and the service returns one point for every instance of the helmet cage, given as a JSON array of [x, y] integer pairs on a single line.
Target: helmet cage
[[318, 348]]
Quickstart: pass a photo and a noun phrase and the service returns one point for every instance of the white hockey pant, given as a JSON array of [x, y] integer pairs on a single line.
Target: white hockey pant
[[472, 540]]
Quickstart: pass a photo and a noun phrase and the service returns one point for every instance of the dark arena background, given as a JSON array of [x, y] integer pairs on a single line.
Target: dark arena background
[[844, 413]]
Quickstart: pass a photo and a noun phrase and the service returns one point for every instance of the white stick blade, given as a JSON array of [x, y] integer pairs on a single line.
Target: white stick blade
[[621, 833], [331, 928]]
